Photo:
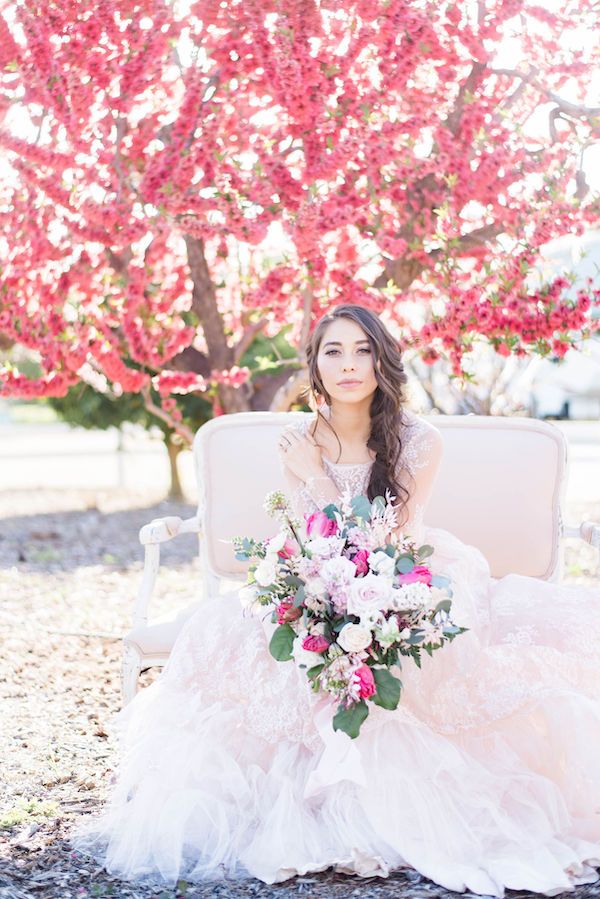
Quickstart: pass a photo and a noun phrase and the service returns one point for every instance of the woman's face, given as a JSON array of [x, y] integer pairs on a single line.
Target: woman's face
[[345, 362]]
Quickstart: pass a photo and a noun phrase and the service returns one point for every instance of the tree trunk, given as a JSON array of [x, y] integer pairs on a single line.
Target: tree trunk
[[175, 490]]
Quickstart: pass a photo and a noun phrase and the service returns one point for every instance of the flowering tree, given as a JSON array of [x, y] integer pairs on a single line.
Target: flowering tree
[[187, 176]]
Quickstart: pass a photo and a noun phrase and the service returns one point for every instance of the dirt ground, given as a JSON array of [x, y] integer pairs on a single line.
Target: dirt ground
[[70, 566]]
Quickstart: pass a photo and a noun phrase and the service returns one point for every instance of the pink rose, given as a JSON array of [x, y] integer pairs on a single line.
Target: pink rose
[[420, 574], [361, 560], [289, 549], [319, 525], [315, 643], [366, 681], [286, 611]]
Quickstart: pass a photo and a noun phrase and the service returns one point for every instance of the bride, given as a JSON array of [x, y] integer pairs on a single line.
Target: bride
[[484, 778]]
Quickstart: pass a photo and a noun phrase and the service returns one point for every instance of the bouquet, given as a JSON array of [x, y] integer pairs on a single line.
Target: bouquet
[[350, 598]]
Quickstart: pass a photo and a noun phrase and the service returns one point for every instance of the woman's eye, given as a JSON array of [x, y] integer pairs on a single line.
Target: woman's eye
[[365, 349], [330, 352]]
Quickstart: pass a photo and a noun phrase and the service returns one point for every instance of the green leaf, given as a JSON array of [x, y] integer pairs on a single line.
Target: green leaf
[[313, 672], [444, 605], [350, 720], [361, 507], [438, 580], [404, 565], [299, 596], [331, 511], [378, 505], [424, 551], [281, 643], [388, 689]]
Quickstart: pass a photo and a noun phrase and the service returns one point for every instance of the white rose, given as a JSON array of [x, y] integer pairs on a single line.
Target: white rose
[[303, 657], [266, 573], [369, 594], [354, 637], [382, 564]]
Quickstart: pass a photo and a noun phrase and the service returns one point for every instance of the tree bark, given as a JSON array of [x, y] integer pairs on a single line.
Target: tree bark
[[175, 489]]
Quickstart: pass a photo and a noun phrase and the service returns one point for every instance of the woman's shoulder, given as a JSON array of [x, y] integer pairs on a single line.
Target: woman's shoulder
[[301, 422], [421, 440]]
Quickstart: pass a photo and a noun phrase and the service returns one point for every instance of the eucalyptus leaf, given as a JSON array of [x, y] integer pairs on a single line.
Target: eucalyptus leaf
[[438, 580], [444, 605], [424, 551], [404, 565], [351, 719], [361, 507]]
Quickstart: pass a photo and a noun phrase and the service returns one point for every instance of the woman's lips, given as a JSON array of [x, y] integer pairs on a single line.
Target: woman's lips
[[349, 383]]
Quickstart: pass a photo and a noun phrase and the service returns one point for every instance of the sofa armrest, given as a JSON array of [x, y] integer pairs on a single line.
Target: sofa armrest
[[160, 530], [588, 531]]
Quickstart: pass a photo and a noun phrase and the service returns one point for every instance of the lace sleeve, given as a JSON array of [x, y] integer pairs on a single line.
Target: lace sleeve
[[419, 464]]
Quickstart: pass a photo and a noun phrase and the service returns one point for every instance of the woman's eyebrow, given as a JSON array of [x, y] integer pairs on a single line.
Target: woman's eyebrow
[[338, 343]]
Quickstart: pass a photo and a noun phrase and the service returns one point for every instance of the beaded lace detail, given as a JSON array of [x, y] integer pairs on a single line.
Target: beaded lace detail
[[417, 443]]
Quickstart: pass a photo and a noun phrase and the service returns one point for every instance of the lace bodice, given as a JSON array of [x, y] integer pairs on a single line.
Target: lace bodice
[[421, 451]]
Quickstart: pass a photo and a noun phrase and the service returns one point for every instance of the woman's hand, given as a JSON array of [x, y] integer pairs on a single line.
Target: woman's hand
[[301, 454]]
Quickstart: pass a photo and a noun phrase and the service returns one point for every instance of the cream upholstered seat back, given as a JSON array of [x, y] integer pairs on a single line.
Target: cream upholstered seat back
[[499, 487]]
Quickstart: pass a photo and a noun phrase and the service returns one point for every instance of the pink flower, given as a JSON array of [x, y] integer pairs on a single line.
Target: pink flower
[[315, 643], [366, 681], [319, 525], [286, 612], [420, 574], [361, 560], [289, 549]]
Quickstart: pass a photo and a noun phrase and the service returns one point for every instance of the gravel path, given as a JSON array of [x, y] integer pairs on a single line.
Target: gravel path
[[70, 566]]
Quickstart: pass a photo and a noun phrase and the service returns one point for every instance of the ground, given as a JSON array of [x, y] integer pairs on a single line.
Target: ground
[[70, 566]]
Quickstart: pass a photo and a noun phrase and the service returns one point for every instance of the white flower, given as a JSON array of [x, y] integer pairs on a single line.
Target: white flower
[[248, 599], [276, 543], [354, 637], [338, 572], [324, 547], [265, 573], [387, 632], [303, 657], [369, 594], [314, 604], [411, 596], [314, 586], [382, 564]]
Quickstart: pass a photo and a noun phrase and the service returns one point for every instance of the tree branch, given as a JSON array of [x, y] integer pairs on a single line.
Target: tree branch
[[184, 432], [574, 110], [248, 335], [204, 304]]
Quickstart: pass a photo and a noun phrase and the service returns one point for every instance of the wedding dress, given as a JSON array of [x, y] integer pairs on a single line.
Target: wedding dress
[[484, 778]]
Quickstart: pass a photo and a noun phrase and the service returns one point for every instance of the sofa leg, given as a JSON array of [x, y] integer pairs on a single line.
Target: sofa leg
[[130, 672]]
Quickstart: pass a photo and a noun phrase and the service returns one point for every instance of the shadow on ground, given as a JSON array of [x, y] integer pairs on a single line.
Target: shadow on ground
[[63, 540]]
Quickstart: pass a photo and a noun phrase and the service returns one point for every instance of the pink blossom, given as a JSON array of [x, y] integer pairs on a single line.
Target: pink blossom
[[420, 574], [289, 549], [361, 560], [319, 525], [315, 643], [366, 681], [287, 612]]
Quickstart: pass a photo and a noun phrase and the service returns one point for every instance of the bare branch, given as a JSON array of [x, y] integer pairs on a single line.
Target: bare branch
[[184, 432], [467, 87], [119, 261], [246, 339], [574, 110], [290, 391], [307, 301]]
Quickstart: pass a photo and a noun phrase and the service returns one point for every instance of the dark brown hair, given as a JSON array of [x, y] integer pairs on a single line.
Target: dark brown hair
[[386, 406]]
